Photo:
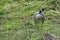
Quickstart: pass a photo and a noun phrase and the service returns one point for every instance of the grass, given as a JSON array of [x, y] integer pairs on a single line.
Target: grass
[[18, 24]]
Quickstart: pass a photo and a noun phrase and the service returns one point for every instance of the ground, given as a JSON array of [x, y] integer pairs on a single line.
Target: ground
[[16, 21]]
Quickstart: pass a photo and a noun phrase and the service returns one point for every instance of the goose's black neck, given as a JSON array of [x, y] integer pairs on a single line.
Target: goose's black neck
[[40, 12]]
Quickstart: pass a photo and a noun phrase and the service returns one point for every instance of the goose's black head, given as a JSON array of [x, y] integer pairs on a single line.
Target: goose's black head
[[42, 10]]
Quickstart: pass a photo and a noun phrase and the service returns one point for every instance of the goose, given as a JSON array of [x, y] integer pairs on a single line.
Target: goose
[[39, 16]]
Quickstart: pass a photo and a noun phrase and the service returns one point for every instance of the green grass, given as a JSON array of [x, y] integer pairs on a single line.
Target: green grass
[[18, 23]]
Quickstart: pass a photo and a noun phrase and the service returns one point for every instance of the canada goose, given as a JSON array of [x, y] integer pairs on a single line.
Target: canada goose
[[39, 16]]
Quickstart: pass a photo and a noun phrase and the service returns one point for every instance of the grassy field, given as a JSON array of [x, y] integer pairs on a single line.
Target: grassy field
[[16, 21]]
